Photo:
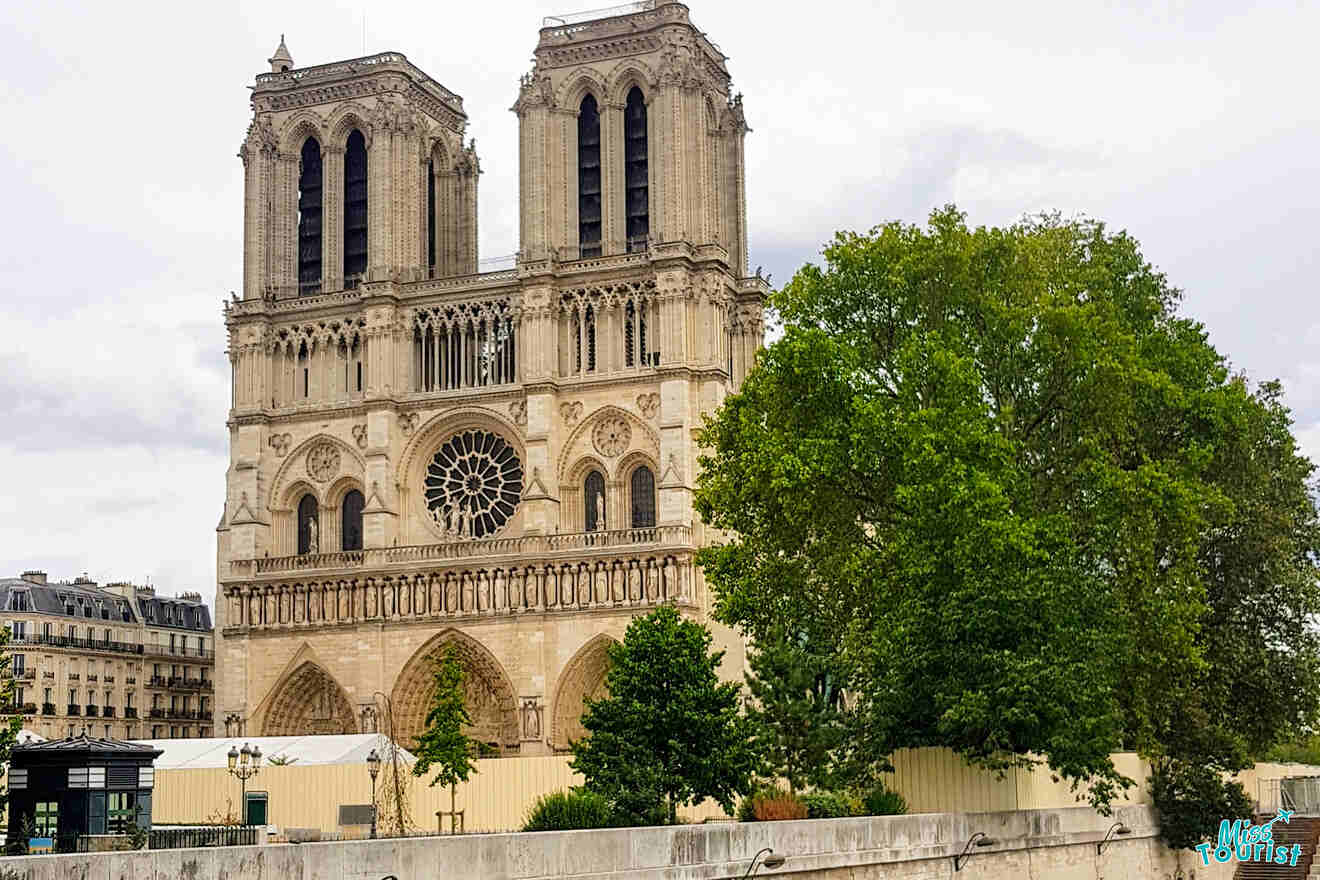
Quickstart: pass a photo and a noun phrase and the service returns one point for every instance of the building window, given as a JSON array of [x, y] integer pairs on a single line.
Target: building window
[[20, 630], [593, 496], [48, 815], [636, 171], [121, 809], [46, 630], [589, 178], [643, 498], [351, 527], [18, 601], [309, 218], [634, 334], [355, 207], [20, 663], [308, 527], [584, 339], [430, 216]]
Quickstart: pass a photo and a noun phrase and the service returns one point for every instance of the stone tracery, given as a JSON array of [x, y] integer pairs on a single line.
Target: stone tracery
[[309, 700], [488, 695]]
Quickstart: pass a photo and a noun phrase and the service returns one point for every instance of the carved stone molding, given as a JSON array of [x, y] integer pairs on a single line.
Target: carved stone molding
[[571, 412], [518, 412], [611, 436], [648, 405], [280, 443], [323, 461], [360, 436], [408, 422]]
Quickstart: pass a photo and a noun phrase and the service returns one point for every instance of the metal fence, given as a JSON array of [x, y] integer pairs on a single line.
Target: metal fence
[[190, 838]]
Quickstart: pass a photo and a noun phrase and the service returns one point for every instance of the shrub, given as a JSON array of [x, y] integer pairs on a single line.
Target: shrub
[[882, 801], [1192, 799], [569, 811], [831, 805], [771, 804]]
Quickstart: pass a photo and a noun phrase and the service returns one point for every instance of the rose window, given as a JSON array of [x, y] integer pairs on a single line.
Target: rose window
[[473, 484]]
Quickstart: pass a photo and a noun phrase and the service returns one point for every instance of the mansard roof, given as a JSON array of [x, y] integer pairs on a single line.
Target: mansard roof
[[51, 599]]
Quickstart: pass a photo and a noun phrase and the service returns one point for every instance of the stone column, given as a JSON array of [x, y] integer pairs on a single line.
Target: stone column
[[332, 217]]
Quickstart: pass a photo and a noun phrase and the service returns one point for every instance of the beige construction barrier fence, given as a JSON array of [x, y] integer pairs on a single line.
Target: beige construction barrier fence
[[497, 798]]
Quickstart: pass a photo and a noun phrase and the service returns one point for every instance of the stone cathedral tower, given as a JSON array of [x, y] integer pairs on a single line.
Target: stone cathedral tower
[[425, 456]]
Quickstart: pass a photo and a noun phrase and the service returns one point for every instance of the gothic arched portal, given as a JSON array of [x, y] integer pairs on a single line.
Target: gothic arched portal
[[582, 679], [490, 699], [309, 701]]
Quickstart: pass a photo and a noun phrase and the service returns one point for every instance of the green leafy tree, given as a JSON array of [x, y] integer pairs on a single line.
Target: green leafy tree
[[795, 708], [669, 733], [1040, 512], [443, 745], [9, 727]]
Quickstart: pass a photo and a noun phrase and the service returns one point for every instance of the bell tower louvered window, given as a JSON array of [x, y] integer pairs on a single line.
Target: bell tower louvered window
[[430, 216], [355, 208], [309, 218], [589, 178], [637, 199]]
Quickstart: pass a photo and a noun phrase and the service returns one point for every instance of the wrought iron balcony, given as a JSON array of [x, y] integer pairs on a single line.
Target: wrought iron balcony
[[130, 711], [47, 708]]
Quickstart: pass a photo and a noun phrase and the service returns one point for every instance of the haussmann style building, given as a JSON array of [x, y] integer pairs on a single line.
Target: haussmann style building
[[110, 662], [427, 456]]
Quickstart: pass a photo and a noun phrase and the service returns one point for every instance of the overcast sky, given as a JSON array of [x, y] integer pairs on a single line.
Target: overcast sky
[[1194, 125]]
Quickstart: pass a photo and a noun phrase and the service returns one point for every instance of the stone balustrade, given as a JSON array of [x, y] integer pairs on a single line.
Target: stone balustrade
[[471, 578], [492, 549]]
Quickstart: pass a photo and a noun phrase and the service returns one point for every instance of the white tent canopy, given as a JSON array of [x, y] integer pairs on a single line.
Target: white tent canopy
[[300, 751]]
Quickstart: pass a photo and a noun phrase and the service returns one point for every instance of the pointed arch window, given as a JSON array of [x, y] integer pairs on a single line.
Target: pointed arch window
[[355, 209], [309, 218], [430, 216], [351, 526], [593, 496], [589, 178], [643, 498], [637, 204], [308, 525]]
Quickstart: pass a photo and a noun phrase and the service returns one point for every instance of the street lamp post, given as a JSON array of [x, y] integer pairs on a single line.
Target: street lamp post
[[373, 767], [244, 764]]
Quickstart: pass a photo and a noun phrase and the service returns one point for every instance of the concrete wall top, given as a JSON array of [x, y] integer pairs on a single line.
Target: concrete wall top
[[693, 852]]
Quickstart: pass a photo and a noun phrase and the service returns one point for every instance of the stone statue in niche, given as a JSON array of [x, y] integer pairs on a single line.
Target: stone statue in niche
[[451, 595], [483, 595], [600, 512], [254, 610], [670, 583], [652, 580], [602, 587], [531, 718], [634, 582], [371, 601], [313, 544], [501, 597]]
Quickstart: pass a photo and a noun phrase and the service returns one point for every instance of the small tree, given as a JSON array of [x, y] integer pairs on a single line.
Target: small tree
[[443, 744], [9, 727], [669, 733], [796, 708]]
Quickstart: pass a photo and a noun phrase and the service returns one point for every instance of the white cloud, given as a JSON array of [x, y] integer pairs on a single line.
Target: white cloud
[[1190, 123]]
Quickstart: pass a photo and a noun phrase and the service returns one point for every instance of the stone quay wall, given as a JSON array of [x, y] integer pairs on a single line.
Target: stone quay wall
[[1040, 844]]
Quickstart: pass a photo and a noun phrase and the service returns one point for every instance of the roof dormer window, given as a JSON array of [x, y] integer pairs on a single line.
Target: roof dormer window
[[18, 600]]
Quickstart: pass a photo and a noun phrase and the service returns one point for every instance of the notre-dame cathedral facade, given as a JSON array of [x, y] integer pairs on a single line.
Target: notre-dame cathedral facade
[[427, 457]]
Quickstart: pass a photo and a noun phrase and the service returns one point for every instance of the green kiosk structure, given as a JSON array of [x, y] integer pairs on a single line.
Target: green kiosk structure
[[67, 788]]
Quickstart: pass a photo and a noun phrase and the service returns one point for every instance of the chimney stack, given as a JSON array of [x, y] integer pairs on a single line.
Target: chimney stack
[[34, 577]]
